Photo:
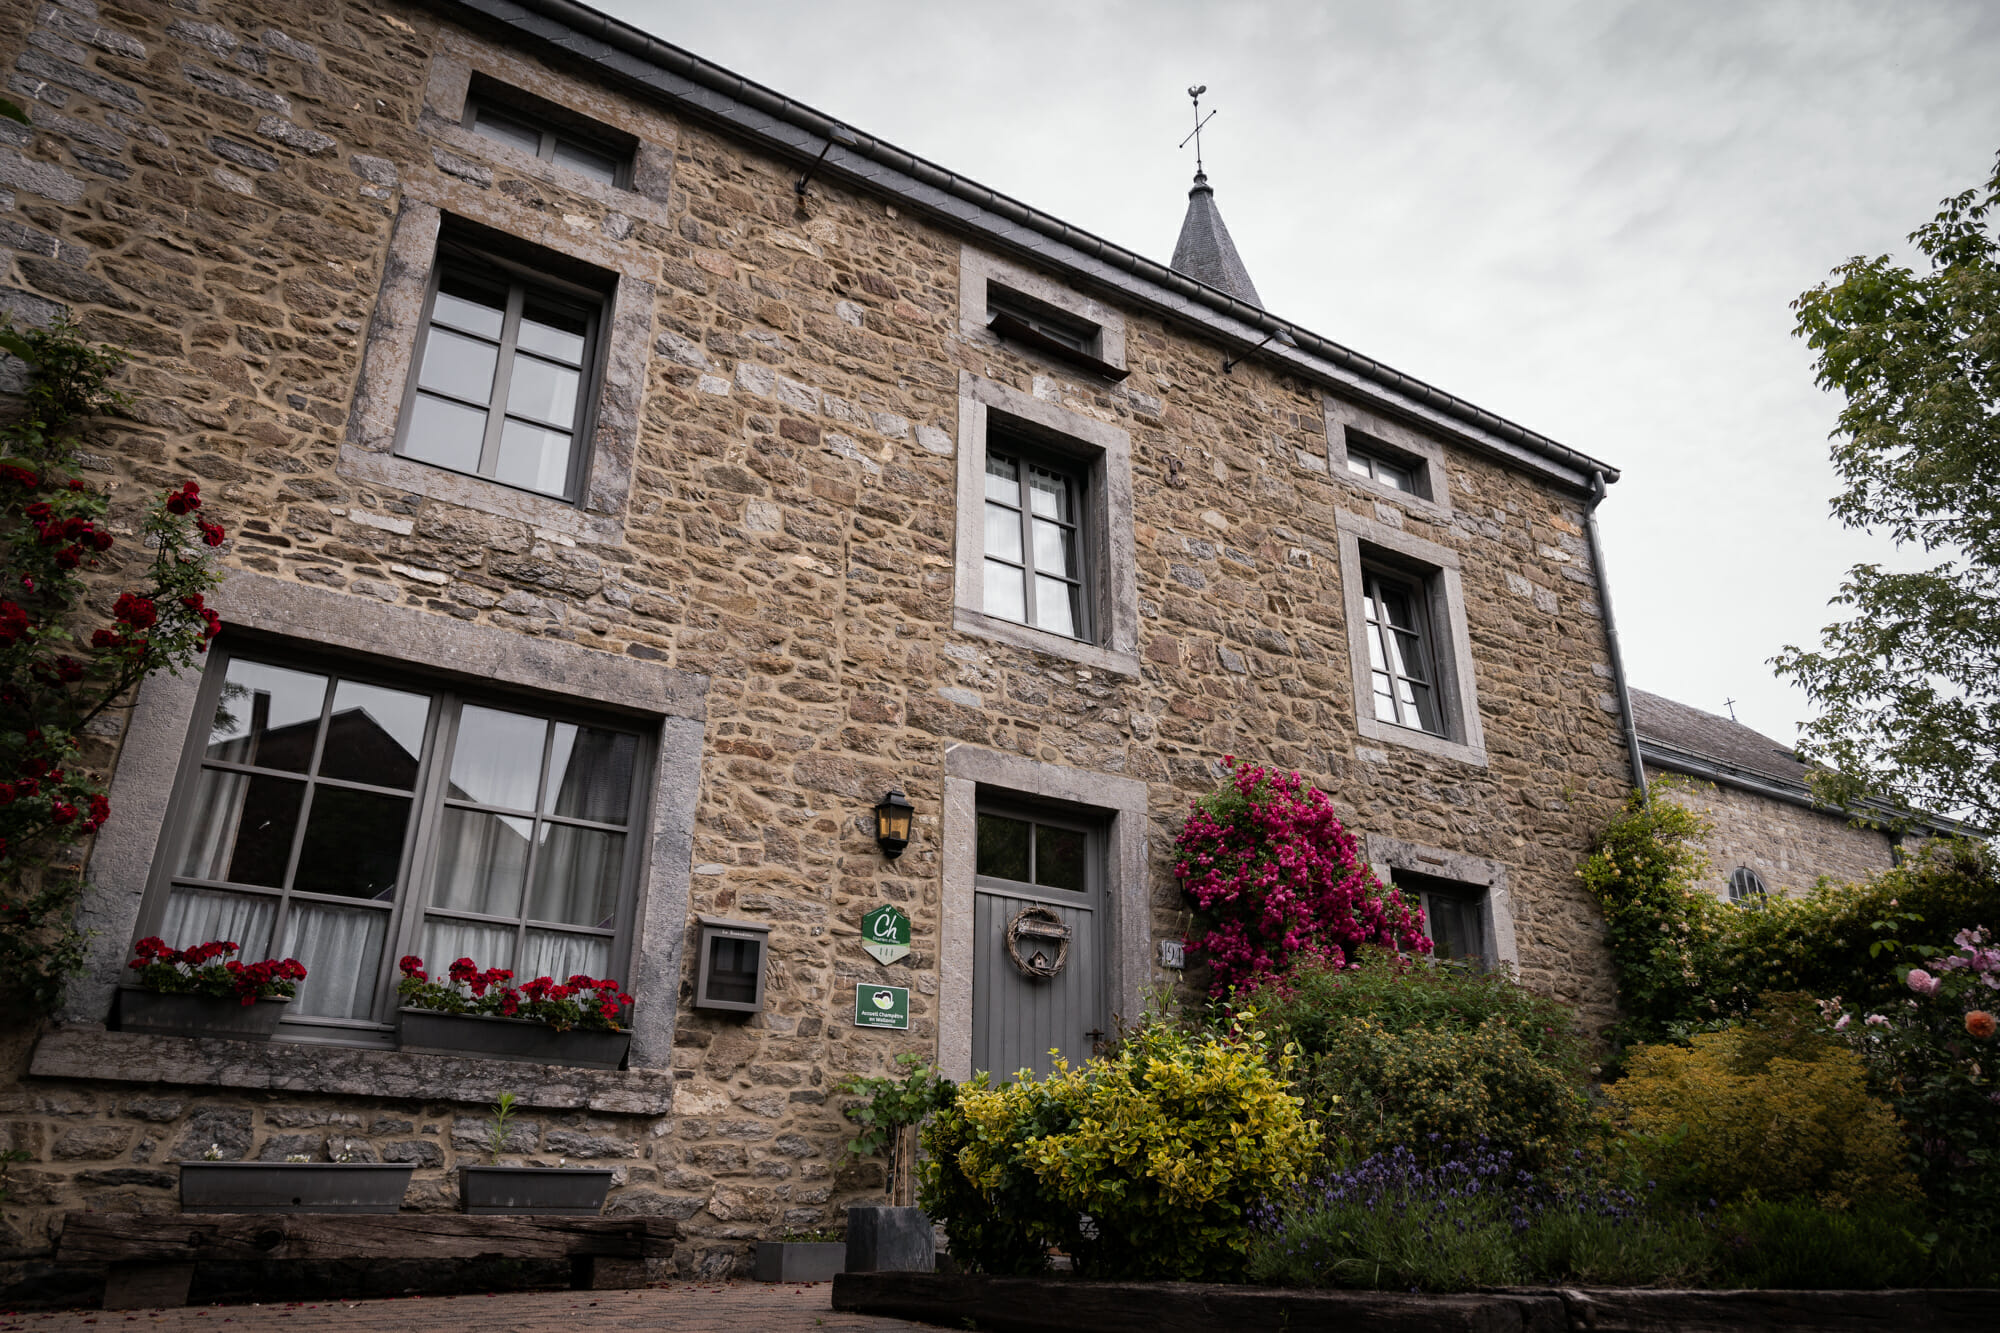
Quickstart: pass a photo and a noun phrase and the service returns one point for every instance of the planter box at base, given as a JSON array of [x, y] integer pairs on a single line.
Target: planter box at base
[[534, 1191], [293, 1187], [137, 1010], [800, 1260], [508, 1039], [881, 1239]]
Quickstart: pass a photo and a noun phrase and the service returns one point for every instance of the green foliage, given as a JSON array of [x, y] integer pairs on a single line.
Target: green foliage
[[1905, 687], [1774, 1108], [892, 1103], [1665, 935], [1471, 1219], [499, 1126], [1840, 938], [1396, 1050], [1164, 1145], [1688, 962], [1796, 1244], [55, 679]]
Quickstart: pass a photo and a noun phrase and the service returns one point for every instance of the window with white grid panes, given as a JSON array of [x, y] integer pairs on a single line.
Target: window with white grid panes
[[505, 376], [348, 818], [1399, 652], [1375, 467], [1034, 568], [531, 134]]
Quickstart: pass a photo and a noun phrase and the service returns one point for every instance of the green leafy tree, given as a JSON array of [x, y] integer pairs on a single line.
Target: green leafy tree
[[1908, 685]]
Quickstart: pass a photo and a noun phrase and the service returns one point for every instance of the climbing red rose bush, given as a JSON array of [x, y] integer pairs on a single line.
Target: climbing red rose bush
[[1275, 878], [60, 674]]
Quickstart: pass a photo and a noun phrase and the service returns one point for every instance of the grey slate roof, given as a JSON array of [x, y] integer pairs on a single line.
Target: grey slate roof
[[1692, 732], [1205, 252]]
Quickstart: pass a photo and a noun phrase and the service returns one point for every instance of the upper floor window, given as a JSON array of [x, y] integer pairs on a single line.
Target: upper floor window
[[346, 819], [1034, 564], [1746, 888], [1046, 328], [1375, 461], [1400, 655], [537, 135], [505, 375]]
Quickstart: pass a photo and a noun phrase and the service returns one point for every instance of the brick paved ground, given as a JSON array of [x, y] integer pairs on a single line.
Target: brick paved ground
[[729, 1307]]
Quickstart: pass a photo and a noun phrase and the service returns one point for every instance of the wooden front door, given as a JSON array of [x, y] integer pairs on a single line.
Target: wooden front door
[[1038, 923]]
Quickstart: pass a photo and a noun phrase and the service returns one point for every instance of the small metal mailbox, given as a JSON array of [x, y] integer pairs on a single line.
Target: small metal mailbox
[[733, 958]]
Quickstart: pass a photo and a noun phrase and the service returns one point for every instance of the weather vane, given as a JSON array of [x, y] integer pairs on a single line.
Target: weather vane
[[1199, 121]]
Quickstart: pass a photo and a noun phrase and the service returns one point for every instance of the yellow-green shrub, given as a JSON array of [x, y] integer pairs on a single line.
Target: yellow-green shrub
[[1164, 1145], [1740, 1112]]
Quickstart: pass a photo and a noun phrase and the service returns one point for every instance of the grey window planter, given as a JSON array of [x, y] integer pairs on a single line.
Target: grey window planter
[[534, 1191], [800, 1260], [488, 1038], [883, 1239], [138, 1010], [293, 1187]]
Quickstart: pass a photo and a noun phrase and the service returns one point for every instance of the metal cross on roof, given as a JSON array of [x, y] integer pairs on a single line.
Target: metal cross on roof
[[1199, 121]]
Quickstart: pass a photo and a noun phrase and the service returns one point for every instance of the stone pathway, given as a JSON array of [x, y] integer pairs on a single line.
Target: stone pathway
[[726, 1307]]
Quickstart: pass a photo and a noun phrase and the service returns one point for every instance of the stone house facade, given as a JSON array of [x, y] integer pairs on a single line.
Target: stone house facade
[[640, 516], [1768, 833]]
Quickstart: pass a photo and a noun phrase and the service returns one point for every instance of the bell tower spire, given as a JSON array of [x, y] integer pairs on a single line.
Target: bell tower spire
[[1204, 251]]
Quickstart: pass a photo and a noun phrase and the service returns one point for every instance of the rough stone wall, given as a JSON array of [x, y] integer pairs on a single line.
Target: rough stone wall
[[215, 186], [1789, 846]]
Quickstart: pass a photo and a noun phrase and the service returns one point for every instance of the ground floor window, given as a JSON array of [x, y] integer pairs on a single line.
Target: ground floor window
[[1454, 917], [346, 817]]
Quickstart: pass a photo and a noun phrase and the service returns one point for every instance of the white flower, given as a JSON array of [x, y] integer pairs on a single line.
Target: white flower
[[297, 1157], [1841, 1026], [214, 1153]]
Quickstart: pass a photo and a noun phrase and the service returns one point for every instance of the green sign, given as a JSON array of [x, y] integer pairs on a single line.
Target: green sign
[[885, 933], [881, 1006]]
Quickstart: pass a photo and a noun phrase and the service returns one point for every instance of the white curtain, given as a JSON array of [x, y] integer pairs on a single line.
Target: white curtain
[[446, 941], [576, 880], [196, 916], [550, 954], [482, 860], [217, 813], [342, 950]]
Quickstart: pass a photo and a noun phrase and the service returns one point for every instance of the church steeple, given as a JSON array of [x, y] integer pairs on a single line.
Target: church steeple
[[1204, 251]]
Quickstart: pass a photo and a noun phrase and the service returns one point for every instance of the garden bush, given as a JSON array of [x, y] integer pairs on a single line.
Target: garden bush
[[1395, 1050], [1772, 1109], [1275, 879], [1163, 1145], [1472, 1218]]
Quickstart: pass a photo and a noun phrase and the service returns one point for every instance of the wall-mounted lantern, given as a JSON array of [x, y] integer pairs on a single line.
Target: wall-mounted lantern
[[892, 823], [733, 958]]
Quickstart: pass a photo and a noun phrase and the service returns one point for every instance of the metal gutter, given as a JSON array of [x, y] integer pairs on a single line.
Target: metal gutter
[[1611, 637], [709, 91], [1660, 754]]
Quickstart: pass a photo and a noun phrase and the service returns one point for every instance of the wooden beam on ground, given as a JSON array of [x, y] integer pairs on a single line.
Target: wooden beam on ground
[[178, 1238]]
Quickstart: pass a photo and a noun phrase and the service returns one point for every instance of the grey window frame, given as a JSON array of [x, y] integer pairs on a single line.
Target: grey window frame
[[1375, 458], [1367, 545], [1025, 453], [1376, 580], [1474, 901], [454, 252], [1008, 805], [552, 135], [417, 871], [1741, 891]]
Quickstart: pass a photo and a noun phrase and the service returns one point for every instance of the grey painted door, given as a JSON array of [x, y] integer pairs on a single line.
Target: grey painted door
[[1032, 860]]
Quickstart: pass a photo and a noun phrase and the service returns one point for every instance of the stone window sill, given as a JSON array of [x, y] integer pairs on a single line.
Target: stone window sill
[[133, 1057], [978, 623], [1442, 747]]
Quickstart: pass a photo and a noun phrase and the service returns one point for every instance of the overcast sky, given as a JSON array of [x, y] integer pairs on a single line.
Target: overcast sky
[[1589, 218]]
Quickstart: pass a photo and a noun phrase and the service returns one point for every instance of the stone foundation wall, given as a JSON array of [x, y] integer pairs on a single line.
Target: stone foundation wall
[[1789, 846], [226, 189]]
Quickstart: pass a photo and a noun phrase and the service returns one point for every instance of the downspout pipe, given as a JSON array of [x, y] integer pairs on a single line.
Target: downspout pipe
[[1611, 636]]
